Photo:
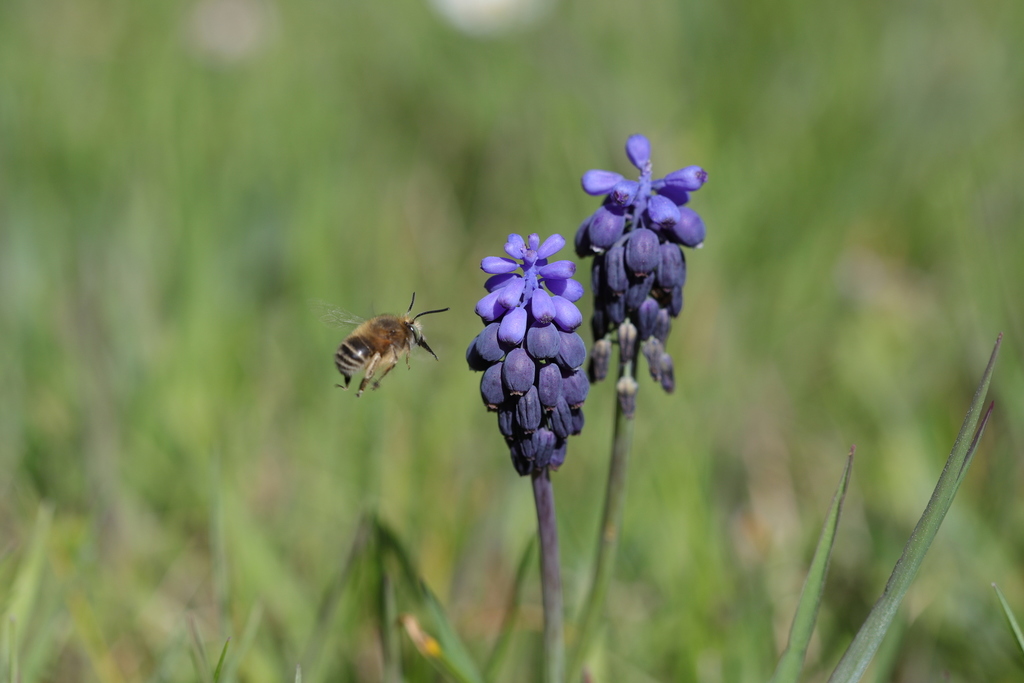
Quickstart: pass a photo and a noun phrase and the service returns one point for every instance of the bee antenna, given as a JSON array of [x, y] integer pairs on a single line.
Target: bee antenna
[[411, 303], [439, 310]]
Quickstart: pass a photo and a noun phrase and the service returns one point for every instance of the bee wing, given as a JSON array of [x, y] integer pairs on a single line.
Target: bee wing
[[331, 315]]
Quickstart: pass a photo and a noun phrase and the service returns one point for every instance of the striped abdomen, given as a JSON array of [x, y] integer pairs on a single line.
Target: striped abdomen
[[352, 356]]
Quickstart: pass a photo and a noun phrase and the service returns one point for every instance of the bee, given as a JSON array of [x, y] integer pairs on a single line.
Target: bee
[[376, 344]]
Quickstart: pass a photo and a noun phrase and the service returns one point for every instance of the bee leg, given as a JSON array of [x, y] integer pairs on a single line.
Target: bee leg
[[376, 384], [348, 378], [371, 367]]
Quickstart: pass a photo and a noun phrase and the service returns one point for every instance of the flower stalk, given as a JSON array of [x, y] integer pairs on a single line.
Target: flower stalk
[[550, 578]]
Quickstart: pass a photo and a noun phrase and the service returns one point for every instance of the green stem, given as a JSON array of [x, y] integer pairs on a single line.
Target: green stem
[[550, 578], [608, 539]]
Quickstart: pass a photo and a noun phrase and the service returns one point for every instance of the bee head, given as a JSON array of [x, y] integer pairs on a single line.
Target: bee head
[[416, 328]]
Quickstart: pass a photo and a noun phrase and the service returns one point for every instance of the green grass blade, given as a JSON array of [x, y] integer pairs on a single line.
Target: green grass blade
[[1010, 619], [199, 658], [501, 646], [298, 673], [857, 657], [447, 651], [26, 583], [792, 660], [220, 662]]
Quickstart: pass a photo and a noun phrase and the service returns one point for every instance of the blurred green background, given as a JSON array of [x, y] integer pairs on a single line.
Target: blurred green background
[[178, 178]]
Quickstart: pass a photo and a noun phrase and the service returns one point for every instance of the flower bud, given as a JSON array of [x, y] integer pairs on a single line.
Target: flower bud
[[575, 388], [572, 350], [647, 315], [638, 149], [551, 246], [597, 182], [487, 344], [518, 372], [671, 266], [529, 411], [498, 264], [498, 281], [663, 325], [624, 192], [577, 420], [561, 419], [570, 290], [689, 231], [488, 308], [543, 446], [625, 389], [582, 240], [600, 358], [606, 226], [615, 309], [542, 341], [491, 389], [642, 253], [507, 420], [615, 270], [561, 270], [558, 455], [690, 178], [662, 211], [567, 316], [638, 291], [473, 358], [652, 350], [676, 304], [512, 326], [668, 375], [515, 246], [541, 307], [627, 341], [549, 385]]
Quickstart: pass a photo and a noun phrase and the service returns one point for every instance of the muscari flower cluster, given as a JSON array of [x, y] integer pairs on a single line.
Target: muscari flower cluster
[[529, 351], [639, 269]]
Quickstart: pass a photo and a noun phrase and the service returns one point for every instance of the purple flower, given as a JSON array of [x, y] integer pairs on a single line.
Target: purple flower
[[638, 270], [529, 351]]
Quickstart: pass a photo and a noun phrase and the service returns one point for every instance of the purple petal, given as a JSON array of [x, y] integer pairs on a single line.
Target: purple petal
[[582, 241], [569, 290], [615, 270], [515, 247], [663, 325], [558, 455], [510, 294], [541, 307], [637, 292], [647, 315], [672, 266], [567, 315], [497, 264], [663, 211], [488, 308], [638, 149], [498, 281], [551, 246], [561, 418], [513, 326], [690, 178], [561, 270], [597, 182], [534, 241]]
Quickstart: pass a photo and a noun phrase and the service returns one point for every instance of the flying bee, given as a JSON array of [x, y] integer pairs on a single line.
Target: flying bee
[[376, 344]]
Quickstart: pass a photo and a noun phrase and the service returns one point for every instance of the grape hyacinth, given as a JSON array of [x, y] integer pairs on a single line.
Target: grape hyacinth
[[529, 352], [639, 269]]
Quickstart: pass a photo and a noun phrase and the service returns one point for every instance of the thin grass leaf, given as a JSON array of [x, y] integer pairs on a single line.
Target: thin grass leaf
[[12, 638], [792, 660], [220, 662], [332, 596], [857, 657], [199, 658], [449, 647], [389, 637], [252, 625], [504, 640], [435, 653], [26, 583], [298, 673], [1010, 619]]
